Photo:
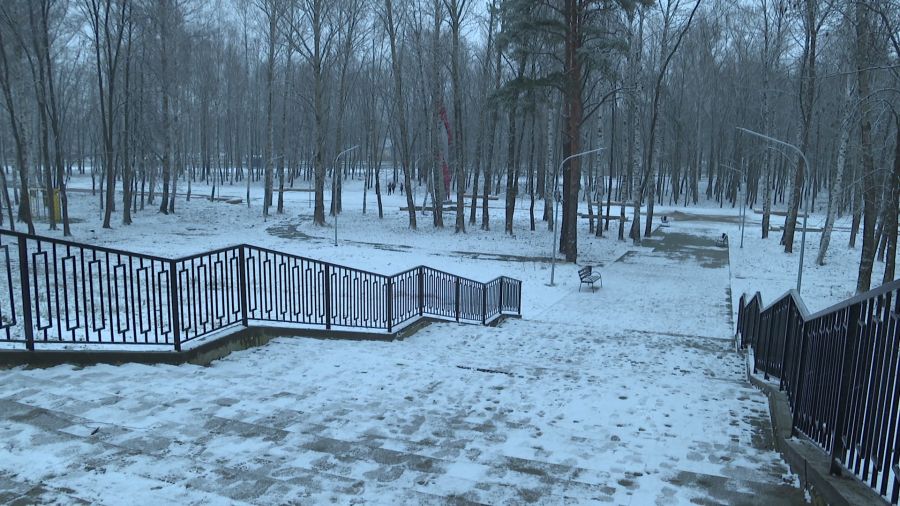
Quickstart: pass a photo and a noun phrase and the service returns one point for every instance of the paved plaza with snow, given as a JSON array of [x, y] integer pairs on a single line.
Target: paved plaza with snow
[[632, 394]]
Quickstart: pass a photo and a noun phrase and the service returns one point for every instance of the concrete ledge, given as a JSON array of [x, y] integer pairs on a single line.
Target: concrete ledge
[[809, 461], [236, 339]]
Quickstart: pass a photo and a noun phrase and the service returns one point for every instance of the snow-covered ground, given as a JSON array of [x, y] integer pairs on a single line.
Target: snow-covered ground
[[629, 395], [387, 245]]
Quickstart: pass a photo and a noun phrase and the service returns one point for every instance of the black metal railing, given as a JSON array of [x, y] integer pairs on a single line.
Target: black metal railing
[[58, 292], [839, 370]]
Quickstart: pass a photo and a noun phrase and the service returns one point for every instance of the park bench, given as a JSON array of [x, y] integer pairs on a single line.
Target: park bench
[[589, 277], [722, 241]]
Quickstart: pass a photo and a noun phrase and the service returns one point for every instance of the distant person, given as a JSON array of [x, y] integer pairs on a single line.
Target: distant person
[[401, 188]]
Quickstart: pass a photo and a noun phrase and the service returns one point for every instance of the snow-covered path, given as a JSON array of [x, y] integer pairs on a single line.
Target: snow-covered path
[[629, 395]]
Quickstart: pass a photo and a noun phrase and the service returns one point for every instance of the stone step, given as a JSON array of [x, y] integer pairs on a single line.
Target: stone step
[[126, 453], [342, 463]]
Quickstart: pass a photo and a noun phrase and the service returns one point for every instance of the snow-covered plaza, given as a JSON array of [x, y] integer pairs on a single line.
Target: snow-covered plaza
[[631, 394]]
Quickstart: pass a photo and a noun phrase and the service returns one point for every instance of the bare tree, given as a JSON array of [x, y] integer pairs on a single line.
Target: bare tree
[[773, 14], [107, 20], [666, 54], [837, 184], [273, 12], [351, 13], [313, 36], [814, 17], [11, 91], [391, 26], [869, 185], [456, 10]]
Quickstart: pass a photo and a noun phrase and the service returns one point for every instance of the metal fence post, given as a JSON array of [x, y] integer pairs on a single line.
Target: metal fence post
[[519, 298], [839, 446], [242, 283], [484, 303], [790, 335], [799, 379], [327, 297], [757, 335], [421, 275], [456, 296], [390, 305], [770, 334], [176, 305], [26, 294], [500, 299]]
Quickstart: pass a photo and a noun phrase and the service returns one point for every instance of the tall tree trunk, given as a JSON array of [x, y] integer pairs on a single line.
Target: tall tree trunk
[[437, 178], [571, 145], [269, 152], [483, 110], [512, 161], [807, 104], [38, 71], [16, 126], [4, 195], [282, 159], [166, 113], [893, 208], [837, 185], [869, 190], [490, 135], [455, 9], [634, 157], [319, 112], [127, 169], [400, 113], [612, 149]]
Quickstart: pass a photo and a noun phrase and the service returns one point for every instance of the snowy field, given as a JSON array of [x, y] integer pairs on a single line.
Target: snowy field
[[628, 395], [387, 245]]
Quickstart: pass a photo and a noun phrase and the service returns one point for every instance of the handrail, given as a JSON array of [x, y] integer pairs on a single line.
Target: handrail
[[193, 256], [792, 293], [839, 368], [74, 244], [807, 315]]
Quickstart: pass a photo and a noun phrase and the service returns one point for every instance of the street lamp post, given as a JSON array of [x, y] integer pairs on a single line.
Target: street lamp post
[[553, 237], [743, 197], [806, 204], [744, 202], [333, 187]]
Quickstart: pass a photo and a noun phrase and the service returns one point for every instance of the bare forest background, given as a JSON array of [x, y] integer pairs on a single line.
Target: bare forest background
[[468, 99]]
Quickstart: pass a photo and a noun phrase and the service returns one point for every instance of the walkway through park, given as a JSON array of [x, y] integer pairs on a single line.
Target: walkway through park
[[628, 395]]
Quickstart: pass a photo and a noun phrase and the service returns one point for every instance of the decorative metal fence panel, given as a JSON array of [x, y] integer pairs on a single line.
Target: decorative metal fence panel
[[359, 299], [439, 293], [208, 292], [54, 291], [10, 304], [58, 291], [510, 295], [407, 291], [284, 288], [492, 298], [840, 369]]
